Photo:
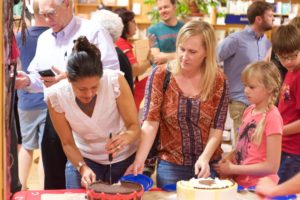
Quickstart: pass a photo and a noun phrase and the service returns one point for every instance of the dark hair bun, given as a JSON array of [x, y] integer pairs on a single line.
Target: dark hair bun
[[82, 44], [85, 60]]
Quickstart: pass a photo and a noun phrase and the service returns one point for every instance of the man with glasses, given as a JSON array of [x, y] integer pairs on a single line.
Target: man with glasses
[[286, 45], [53, 48], [242, 48]]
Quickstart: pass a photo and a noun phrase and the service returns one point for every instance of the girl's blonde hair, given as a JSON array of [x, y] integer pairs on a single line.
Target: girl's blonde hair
[[295, 22], [209, 68], [268, 75]]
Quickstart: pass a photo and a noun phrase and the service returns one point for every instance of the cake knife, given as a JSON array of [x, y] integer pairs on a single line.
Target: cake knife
[[110, 158]]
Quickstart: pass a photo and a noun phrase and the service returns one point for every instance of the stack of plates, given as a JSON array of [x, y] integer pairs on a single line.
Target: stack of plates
[[145, 181]]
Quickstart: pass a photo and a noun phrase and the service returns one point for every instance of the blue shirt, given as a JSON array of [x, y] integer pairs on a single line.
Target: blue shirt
[[165, 36], [237, 51], [29, 101]]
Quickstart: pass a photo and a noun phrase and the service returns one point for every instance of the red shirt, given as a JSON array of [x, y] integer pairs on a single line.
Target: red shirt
[[127, 48], [14, 53], [289, 107]]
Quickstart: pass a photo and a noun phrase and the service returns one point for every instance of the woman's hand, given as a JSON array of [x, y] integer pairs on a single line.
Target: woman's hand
[[87, 176], [135, 168], [224, 167], [118, 142], [202, 169], [265, 187]]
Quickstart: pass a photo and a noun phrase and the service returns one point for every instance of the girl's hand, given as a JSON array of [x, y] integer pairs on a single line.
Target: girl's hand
[[202, 169], [265, 187], [118, 142], [87, 176], [135, 168], [224, 167]]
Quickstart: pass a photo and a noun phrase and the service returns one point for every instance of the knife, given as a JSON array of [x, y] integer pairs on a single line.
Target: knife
[[110, 158]]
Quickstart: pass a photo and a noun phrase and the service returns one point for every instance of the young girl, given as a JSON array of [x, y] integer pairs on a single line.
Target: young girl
[[257, 153]]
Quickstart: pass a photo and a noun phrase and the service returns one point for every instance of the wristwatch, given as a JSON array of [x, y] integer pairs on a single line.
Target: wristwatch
[[79, 165]]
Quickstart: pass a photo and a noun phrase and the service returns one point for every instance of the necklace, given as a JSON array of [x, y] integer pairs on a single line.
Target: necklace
[[87, 108]]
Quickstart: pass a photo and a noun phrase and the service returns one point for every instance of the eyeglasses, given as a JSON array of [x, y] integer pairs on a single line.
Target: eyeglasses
[[49, 14], [290, 57]]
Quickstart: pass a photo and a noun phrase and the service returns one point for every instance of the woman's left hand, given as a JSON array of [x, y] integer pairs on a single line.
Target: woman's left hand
[[202, 169], [87, 176], [118, 142]]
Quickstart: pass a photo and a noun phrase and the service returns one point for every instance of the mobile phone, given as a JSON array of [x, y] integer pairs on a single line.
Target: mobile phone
[[47, 72]]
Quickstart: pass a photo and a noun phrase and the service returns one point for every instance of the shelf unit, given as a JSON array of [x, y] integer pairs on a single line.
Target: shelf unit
[[84, 8]]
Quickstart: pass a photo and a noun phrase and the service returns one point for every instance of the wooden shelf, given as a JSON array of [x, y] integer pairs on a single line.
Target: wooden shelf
[[228, 26], [85, 9], [87, 4]]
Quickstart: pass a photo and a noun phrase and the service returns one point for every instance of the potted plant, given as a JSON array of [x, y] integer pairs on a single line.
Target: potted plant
[[203, 5], [182, 10]]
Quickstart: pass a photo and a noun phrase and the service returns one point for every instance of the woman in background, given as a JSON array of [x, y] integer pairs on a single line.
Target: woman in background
[[114, 25], [138, 68]]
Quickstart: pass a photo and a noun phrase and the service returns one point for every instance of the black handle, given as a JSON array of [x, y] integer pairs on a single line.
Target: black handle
[[110, 158]]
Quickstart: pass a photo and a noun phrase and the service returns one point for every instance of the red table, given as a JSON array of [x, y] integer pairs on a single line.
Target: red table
[[36, 194]]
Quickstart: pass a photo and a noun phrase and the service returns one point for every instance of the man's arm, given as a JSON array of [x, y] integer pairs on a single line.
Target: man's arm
[[292, 128], [267, 187], [158, 56], [161, 57], [109, 55], [30, 82], [227, 48]]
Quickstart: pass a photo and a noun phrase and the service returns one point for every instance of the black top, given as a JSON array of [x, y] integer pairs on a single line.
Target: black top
[[278, 64], [125, 67]]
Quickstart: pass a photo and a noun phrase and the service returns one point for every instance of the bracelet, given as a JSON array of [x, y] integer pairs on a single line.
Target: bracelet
[[80, 165]]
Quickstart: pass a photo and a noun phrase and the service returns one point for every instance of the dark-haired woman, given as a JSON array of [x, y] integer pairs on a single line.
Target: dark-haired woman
[[138, 67], [85, 109]]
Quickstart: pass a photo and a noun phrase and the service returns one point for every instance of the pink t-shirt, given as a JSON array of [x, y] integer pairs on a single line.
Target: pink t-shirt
[[248, 152]]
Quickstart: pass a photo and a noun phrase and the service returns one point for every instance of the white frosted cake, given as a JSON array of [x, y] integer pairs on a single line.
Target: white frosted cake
[[206, 189]]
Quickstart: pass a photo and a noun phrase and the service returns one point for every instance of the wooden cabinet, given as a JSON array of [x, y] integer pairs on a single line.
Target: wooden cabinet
[[84, 8]]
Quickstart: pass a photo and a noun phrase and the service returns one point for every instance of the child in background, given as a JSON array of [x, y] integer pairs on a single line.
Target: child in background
[[257, 153], [286, 45]]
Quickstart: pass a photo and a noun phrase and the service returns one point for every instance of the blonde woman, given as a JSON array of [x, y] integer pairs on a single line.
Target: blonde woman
[[190, 113]]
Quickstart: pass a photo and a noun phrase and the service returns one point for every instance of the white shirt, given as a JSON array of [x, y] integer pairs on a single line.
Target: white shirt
[[53, 49], [92, 133]]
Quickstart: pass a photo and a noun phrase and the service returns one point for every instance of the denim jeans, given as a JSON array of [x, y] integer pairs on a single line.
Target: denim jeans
[[170, 173], [73, 177], [289, 166]]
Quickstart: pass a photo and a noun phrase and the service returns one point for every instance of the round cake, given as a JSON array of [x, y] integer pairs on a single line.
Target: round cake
[[122, 190], [201, 188]]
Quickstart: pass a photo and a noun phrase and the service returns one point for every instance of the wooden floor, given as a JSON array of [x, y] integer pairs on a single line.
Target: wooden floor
[[33, 179]]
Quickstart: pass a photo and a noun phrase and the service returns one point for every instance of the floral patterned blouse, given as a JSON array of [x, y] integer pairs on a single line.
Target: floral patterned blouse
[[185, 122]]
